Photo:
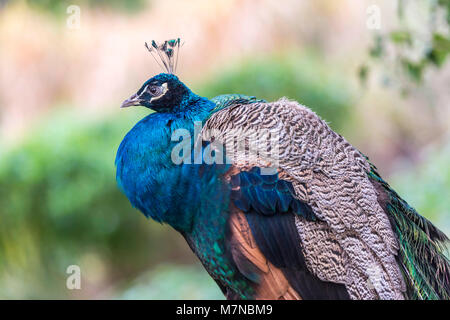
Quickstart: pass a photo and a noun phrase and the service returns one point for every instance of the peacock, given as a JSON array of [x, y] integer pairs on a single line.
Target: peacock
[[273, 202]]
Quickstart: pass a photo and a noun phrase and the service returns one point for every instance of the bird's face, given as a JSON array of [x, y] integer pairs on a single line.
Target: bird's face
[[161, 93]]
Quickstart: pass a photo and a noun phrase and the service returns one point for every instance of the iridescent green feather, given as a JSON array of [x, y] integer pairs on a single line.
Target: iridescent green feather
[[226, 100], [422, 257]]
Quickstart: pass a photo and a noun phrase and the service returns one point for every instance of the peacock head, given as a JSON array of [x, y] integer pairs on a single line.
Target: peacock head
[[163, 92]]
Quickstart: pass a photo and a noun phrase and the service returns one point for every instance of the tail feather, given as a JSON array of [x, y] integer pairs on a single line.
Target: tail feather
[[422, 247]]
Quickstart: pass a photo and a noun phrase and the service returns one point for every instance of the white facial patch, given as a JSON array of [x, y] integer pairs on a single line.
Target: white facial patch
[[164, 90]]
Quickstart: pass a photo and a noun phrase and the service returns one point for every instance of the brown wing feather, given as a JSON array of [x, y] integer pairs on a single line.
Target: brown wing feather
[[272, 283]]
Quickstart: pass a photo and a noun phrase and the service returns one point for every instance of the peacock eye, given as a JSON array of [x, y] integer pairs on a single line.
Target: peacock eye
[[154, 91]]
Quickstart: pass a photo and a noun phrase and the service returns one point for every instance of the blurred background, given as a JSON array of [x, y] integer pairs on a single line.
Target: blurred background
[[375, 70]]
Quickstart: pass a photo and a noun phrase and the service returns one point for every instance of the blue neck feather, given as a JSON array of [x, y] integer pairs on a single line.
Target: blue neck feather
[[162, 190]]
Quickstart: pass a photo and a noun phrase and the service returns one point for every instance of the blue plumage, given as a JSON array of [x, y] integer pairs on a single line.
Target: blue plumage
[[145, 171]]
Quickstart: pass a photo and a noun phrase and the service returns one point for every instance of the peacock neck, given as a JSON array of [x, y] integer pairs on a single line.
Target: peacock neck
[[161, 188]]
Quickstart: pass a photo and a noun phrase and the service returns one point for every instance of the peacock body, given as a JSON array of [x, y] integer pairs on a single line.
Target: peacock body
[[322, 225]]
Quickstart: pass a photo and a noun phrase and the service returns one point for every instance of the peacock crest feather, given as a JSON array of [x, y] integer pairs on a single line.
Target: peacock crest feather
[[167, 53]]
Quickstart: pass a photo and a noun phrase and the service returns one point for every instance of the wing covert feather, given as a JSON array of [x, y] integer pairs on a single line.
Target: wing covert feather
[[354, 236]]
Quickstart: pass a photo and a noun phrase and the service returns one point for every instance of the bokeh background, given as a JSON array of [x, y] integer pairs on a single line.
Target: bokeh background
[[62, 82]]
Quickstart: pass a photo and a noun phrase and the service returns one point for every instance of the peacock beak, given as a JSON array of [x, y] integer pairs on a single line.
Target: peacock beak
[[131, 101]]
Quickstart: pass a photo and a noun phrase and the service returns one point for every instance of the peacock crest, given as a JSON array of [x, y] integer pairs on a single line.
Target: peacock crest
[[167, 52]]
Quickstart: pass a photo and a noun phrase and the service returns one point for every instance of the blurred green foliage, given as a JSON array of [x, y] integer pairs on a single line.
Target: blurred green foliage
[[413, 52], [173, 282], [299, 76], [427, 187], [59, 7]]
